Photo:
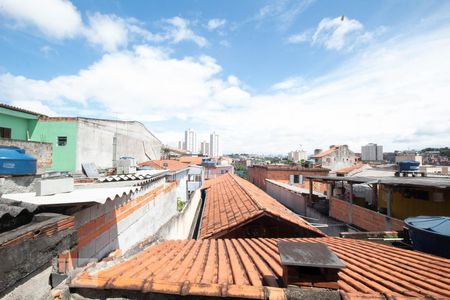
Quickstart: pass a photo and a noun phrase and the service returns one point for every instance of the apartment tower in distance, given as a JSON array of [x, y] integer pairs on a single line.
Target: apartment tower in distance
[[190, 141], [214, 145], [372, 152], [204, 148]]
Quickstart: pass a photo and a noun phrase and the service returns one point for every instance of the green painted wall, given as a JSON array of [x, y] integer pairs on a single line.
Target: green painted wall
[[19, 123], [64, 157]]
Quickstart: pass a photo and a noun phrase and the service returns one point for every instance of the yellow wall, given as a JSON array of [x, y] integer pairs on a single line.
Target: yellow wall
[[403, 207]]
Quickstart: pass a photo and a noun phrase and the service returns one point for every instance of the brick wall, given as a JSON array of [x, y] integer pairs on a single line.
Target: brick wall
[[258, 175], [39, 150], [362, 217], [122, 223]]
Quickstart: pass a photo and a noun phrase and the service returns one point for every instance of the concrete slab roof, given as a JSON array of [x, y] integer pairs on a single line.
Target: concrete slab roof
[[295, 188], [437, 182]]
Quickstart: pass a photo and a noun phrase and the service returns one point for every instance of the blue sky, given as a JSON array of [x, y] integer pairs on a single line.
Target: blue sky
[[266, 75]]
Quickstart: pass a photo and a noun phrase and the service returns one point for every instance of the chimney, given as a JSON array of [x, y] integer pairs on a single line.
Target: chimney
[[309, 265]]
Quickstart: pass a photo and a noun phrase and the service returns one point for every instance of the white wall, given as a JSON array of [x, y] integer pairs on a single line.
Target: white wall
[[141, 224], [291, 200], [180, 226], [95, 142]]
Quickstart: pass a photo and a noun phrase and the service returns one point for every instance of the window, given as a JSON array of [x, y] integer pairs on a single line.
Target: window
[[62, 140], [296, 178], [5, 133]]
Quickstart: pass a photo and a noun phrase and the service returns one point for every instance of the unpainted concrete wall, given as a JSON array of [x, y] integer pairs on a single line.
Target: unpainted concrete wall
[[39, 150], [19, 184], [290, 199], [181, 225], [124, 222], [103, 142]]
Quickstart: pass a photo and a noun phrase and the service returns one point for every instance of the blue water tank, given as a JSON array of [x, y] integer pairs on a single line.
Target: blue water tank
[[430, 234], [14, 161], [408, 165]]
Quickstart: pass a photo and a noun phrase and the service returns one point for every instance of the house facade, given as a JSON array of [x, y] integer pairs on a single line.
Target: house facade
[[83, 140], [336, 157]]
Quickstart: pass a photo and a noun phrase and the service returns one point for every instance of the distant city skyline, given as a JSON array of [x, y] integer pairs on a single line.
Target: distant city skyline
[[266, 75]]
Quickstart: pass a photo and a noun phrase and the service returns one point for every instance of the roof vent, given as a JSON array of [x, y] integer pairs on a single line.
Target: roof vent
[[309, 265]]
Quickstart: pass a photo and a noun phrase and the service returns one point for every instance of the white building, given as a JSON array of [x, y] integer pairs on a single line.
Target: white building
[[180, 145], [190, 141], [372, 152], [204, 148], [408, 155], [297, 155], [215, 149]]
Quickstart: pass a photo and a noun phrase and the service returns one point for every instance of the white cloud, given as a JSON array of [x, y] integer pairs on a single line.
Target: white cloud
[[108, 31], [48, 51], [282, 12], [215, 23], [59, 19], [371, 98], [334, 33], [35, 106], [180, 31], [55, 18], [298, 38], [289, 84], [340, 33]]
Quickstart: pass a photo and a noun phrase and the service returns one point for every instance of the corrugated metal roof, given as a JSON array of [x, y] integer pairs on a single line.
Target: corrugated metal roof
[[14, 213], [251, 268], [78, 196], [139, 175]]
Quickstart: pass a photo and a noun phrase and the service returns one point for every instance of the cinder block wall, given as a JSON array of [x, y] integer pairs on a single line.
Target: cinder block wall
[[290, 199], [39, 150], [123, 222]]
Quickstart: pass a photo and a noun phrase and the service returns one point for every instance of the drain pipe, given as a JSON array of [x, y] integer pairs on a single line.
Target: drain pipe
[[200, 219]]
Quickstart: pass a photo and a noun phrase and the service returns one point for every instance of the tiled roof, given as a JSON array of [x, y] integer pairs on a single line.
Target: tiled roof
[[349, 169], [15, 108], [232, 201], [192, 160], [165, 164], [326, 152], [251, 268]]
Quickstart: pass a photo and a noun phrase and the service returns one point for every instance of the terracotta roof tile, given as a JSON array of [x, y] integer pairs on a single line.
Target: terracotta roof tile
[[165, 164], [232, 201], [15, 108], [249, 267], [347, 170], [192, 160], [326, 152]]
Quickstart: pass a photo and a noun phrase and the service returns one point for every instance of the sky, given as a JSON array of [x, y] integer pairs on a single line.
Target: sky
[[268, 76]]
